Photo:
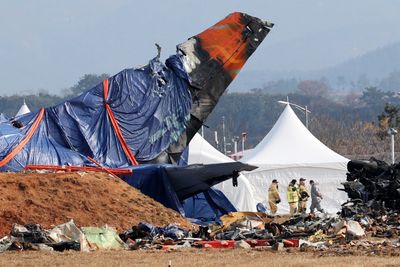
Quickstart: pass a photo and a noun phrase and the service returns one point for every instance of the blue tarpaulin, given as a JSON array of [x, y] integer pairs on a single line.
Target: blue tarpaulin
[[208, 206], [151, 106], [153, 180], [5, 126]]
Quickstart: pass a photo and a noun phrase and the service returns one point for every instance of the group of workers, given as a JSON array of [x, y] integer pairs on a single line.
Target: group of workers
[[297, 197]]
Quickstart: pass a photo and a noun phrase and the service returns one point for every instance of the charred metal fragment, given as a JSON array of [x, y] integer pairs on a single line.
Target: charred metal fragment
[[373, 182]]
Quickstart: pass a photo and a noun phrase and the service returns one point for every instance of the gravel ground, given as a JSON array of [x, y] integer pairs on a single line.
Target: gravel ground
[[190, 257]]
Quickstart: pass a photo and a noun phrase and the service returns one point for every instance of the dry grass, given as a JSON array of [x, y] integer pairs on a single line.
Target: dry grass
[[192, 257]]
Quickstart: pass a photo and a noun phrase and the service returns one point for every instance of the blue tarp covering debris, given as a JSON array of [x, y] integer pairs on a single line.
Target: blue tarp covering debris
[[207, 207], [5, 126], [153, 180], [150, 104]]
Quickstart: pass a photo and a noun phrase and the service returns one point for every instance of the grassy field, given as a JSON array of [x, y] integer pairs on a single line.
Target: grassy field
[[212, 257]]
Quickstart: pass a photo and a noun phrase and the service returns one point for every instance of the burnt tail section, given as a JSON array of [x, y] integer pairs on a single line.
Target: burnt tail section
[[212, 60]]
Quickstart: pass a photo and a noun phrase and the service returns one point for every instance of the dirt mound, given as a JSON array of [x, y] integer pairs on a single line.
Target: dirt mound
[[91, 199]]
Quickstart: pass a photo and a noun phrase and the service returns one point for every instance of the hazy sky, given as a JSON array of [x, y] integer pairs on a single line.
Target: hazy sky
[[47, 44]]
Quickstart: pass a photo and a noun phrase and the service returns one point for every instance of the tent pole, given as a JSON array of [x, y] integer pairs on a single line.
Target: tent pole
[[242, 146], [306, 117]]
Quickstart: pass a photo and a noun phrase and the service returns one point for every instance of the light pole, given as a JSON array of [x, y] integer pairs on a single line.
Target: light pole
[[235, 140], [223, 134], [244, 136], [392, 132], [303, 109], [216, 139]]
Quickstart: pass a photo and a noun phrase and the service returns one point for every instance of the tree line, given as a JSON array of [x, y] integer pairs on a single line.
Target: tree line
[[354, 123], [9, 105]]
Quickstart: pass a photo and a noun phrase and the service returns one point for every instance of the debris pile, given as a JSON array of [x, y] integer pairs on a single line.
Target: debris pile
[[66, 236], [377, 221], [374, 180], [373, 188], [239, 230]]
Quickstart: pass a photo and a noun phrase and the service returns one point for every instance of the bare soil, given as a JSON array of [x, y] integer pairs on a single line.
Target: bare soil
[[90, 199], [190, 257]]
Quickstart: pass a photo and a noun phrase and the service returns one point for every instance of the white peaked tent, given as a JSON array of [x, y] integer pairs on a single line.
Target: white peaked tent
[[200, 151], [23, 110], [289, 151]]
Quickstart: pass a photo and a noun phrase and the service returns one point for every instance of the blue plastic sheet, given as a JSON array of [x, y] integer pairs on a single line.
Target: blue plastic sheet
[[207, 207], [5, 126], [261, 208], [153, 180], [151, 105]]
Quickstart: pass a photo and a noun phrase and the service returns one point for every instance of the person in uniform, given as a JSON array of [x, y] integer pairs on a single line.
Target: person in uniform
[[316, 198], [293, 197], [273, 196], [303, 196]]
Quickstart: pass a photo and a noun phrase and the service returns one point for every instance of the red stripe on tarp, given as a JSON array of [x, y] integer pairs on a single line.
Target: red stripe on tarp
[[105, 90], [101, 167], [115, 125], [78, 168], [28, 137]]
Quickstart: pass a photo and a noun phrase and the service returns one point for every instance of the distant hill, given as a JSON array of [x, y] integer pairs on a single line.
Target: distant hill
[[368, 69], [374, 65]]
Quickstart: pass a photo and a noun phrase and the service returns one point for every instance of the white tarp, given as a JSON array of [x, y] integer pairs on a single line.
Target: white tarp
[[200, 151], [289, 151]]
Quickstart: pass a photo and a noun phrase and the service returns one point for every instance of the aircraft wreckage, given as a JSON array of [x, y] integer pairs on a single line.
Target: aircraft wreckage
[[137, 123], [373, 184]]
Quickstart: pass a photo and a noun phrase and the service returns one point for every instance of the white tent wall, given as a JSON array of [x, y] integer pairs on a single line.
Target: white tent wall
[[290, 151], [200, 151], [239, 196], [328, 179]]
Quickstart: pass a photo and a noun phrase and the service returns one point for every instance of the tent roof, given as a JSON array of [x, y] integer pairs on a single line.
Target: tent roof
[[200, 151], [23, 110], [290, 143]]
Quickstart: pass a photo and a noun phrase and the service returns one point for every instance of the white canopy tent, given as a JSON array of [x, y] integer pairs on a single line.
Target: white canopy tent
[[23, 110], [290, 151], [200, 151]]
